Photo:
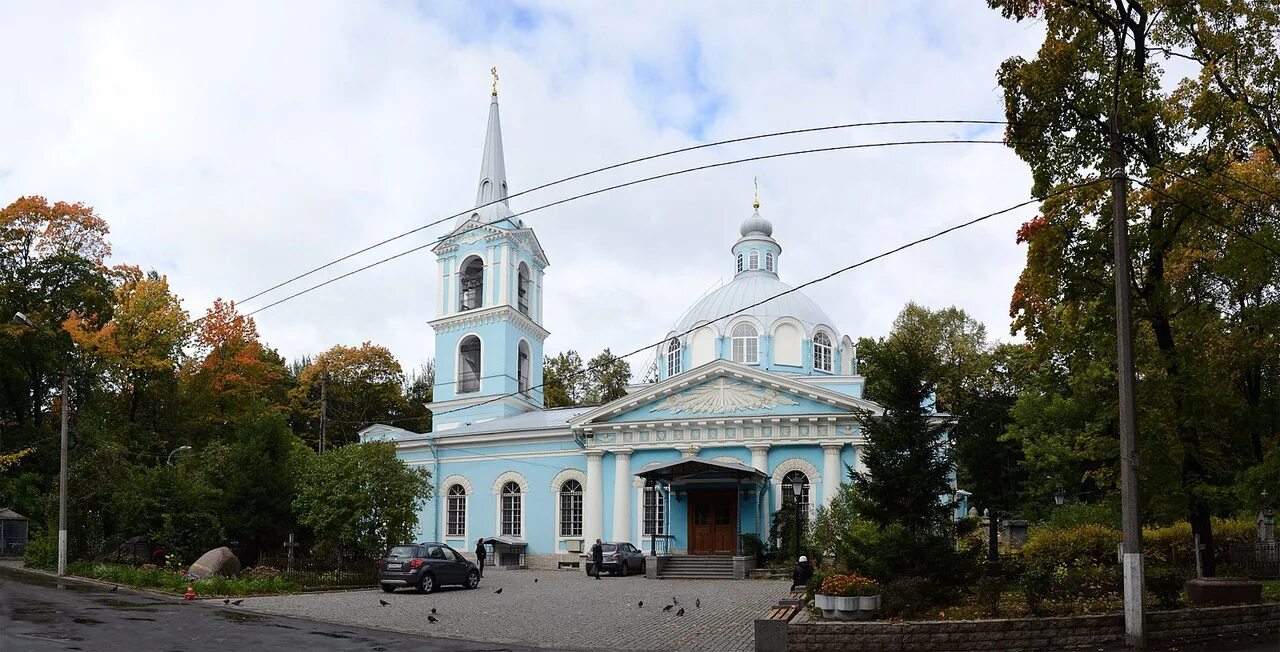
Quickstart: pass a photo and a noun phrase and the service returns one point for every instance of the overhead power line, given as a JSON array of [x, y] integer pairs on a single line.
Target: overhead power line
[[580, 175], [885, 254]]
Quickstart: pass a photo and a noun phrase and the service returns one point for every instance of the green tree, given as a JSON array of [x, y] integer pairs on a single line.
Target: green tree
[[1206, 144], [360, 498], [363, 385], [607, 378], [563, 382]]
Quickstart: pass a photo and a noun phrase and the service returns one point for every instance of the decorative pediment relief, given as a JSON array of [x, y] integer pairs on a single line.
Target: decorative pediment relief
[[721, 396]]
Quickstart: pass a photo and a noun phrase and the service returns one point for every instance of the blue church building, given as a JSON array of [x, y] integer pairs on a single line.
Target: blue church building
[[755, 405]]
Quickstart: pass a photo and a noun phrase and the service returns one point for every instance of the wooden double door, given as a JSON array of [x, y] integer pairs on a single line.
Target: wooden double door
[[713, 522]]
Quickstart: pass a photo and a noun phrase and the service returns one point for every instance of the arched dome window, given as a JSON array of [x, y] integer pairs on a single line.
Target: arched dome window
[[522, 367], [746, 344], [755, 259], [673, 357], [822, 352], [469, 365], [522, 289], [471, 284], [768, 261], [739, 262]]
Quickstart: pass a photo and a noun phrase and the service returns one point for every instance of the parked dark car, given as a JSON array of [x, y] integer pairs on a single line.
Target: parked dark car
[[426, 566], [620, 558]]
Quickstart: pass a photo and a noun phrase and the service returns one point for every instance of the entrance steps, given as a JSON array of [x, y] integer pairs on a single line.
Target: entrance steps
[[698, 567]]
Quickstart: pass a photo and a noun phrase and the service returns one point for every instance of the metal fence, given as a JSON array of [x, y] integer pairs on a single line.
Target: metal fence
[[1260, 560], [324, 572]]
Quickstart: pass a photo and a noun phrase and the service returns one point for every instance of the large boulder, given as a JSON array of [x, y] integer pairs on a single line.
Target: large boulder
[[219, 561]]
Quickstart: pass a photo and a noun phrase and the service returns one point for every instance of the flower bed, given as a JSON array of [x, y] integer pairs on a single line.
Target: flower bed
[[848, 597]]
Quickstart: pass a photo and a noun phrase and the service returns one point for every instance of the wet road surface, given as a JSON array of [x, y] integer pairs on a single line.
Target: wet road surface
[[37, 615]]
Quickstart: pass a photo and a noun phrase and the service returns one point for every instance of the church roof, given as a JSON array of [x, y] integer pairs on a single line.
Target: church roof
[[548, 419], [749, 288]]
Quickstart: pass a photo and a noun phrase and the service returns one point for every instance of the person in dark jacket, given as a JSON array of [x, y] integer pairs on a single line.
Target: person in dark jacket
[[480, 553], [802, 574], [597, 556]]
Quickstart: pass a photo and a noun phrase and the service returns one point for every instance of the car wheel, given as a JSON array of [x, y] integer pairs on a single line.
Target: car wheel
[[427, 584], [473, 579], [388, 588]]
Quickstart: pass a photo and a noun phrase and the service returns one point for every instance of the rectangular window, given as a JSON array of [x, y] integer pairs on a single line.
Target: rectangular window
[[457, 516], [571, 514], [654, 512], [746, 350], [511, 515]]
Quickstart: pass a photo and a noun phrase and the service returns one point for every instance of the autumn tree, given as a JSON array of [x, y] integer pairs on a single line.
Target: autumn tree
[[232, 367], [1203, 148], [362, 385]]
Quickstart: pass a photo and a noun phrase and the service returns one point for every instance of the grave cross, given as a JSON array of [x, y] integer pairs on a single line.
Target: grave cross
[[291, 544]]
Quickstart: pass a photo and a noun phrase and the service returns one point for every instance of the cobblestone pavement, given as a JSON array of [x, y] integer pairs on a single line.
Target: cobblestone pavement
[[556, 609]]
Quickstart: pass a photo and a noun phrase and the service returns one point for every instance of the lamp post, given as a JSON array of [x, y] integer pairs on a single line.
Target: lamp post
[[797, 490], [65, 396], [179, 449], [1059, 497]]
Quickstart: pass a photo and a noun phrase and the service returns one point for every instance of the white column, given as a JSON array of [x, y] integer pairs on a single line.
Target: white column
[[504, 273], [830, 470], [760, 457], [593, 499], [622, 495]]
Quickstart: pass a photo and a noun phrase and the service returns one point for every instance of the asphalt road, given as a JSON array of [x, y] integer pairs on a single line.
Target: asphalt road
[[37, 613]]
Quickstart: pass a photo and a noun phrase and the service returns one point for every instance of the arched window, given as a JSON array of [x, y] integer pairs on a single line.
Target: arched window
[[746, 344], [655, 509], [512, 510], [471, 295], [822, 352], [788, 493], [754, 259], [739, 262], [673, 357], [571, 509], [522, 289], [768, 260], [522, 367], [469, 365], [456, 511]]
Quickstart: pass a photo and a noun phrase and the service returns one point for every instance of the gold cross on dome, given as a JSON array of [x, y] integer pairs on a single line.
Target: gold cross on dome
[[494, 71], [756, 204]]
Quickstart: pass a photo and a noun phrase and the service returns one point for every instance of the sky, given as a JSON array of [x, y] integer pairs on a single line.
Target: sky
[[233, 145]]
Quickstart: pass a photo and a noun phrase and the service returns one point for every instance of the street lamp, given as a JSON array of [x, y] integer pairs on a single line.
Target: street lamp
[[797, 490], [65, 395], [1059, 497], [179, 449]]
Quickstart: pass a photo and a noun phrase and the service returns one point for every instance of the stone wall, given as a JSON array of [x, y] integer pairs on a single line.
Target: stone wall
[[1025, 634]]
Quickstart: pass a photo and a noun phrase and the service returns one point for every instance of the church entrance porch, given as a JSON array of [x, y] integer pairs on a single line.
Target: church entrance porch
[[713, 522]]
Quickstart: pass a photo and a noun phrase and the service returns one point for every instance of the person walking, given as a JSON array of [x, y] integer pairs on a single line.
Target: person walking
[[597, 556], [480, 554], [802, 574]]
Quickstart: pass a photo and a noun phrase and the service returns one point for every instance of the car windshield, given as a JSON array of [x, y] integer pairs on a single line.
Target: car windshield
[[401, 551]]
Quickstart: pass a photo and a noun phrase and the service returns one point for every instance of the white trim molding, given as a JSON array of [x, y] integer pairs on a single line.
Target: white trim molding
[[504, 478], [461, 480], [568, 474], [510, 476]]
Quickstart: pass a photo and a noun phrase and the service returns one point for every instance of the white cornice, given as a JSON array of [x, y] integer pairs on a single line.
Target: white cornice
[[490, 315]]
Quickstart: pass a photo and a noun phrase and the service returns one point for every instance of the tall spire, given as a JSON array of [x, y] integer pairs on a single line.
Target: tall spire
[[493, 170]]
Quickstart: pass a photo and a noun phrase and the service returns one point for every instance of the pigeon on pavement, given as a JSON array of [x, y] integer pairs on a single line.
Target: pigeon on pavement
[[237, 602], [641, 604], [698, 603], [668, 607], [383, 602], [433, 610], [535, 580], [498, 591], [226, 601], [432, 619], [681, 612], [674, 600]]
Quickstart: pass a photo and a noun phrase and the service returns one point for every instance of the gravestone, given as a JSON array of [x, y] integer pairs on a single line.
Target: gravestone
[[219, 561]]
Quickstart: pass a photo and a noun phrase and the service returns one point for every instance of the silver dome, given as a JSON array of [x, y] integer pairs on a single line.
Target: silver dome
[[748, 288], [756, 224]]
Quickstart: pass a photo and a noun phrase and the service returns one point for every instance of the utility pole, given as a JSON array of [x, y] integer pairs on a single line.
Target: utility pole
[[324, 382], [1134, 614], [62, 475]]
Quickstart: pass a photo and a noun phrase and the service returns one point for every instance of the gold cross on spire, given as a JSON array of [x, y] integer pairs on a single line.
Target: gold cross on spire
[[494, 71], [756, 204]]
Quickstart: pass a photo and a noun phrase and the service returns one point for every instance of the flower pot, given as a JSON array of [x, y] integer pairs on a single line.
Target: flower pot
[[827, 603], [869, 603], [847, 604]]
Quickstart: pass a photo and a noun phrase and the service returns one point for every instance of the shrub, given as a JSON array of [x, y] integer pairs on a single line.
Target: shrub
[[1079, 545], [909, 597], [1035, 581], [42, 551], [815, 583], [989, 590], [1172, 543], [1077, 514], [849, 585], [1165, 583], [261, 573]]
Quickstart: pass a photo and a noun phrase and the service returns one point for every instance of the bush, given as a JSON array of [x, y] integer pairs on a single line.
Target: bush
[[1077, 514], [753, 546], [909, 597], [989, 590], [1165, 583], [815, 583], [42, 551], [1079, 545], [849, 586], [1036, 582], [1172, 543]]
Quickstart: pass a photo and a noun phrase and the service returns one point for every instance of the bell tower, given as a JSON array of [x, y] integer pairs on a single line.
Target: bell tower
[[488, 331]]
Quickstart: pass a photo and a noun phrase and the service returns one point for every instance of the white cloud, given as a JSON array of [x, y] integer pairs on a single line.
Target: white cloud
[[232, 145]]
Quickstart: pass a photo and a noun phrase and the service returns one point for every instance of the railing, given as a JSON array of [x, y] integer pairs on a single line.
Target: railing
[[1260, 560], [324, 572]]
